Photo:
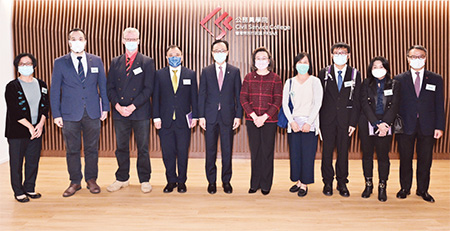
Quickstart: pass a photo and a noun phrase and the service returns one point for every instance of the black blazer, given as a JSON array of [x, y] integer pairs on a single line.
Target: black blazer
[[18, 108], [429, 105], [337, 105], [369, 97], [165, 101], [209, 95], [135, 89]]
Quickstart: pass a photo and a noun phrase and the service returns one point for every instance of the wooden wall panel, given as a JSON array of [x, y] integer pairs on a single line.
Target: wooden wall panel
[[372, 28]]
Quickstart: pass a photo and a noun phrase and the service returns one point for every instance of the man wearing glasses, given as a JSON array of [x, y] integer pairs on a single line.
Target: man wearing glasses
[[130, 85], [220, 112], [422, 111], [338, 116]]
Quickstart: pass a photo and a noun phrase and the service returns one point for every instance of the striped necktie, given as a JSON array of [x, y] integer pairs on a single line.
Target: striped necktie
[[128, 66], [81, 70]]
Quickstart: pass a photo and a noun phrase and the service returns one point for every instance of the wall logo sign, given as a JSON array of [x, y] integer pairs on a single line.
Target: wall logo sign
[[258, 26], [224, 19]]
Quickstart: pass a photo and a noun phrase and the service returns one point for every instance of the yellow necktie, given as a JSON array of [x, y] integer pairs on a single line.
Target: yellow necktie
[[175, 87]]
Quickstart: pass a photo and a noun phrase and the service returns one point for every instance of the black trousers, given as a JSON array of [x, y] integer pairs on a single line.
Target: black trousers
[[382, 145], [262, 143], [141, 129], [175, 150], [335, 137], [30, 150], [424, 148], [226, 146]]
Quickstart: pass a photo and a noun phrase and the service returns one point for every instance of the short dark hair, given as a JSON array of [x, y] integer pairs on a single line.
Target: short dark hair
[[262, 49], [20, 56], [386, 66], [216, 42], [418, 47], [172, 47], [299, 57], [75, 30], [341, 45]]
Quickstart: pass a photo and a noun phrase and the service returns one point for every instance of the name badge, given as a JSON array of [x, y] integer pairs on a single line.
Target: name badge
[[94, 69], [186, 82], [137, 71], [430, 87], [347, 83], [388, 92], [44, 90]]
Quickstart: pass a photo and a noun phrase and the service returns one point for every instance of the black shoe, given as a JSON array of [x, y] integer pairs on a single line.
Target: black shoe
[[382, 191], [265, 192], [302, 192], [343, 191], [23, 200], [294, 188], [327, 190], [251, 191], [369, 188], [169, 187], [403, 193], [182, 188], [227, 188], [425, 196], [212, 188], [33, 195]]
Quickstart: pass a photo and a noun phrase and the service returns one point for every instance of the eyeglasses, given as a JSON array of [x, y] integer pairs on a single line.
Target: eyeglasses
[[340, 53], [219, 51], [25, 64], [416, 57], [131, 39]]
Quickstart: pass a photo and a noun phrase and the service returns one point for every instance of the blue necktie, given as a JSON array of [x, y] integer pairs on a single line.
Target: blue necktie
[[80, 69], [339, 80]]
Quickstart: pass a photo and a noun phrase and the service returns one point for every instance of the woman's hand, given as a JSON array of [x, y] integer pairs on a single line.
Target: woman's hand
[[294, 126], [306, 127]]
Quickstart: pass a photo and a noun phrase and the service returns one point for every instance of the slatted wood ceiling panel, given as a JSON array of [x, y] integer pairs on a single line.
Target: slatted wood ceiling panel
[[372, 28]]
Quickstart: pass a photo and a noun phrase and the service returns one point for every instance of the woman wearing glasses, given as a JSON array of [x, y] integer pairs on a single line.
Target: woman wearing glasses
[[27, 108], [261, 97]]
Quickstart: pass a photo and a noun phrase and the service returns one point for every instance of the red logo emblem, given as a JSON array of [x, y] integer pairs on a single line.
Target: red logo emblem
[[217, 22]]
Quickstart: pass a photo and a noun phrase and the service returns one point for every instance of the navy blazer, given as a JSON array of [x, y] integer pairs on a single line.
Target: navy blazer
[[69, 96], [185, 100], [209, 96], [336, 105], [135, 89], [429, 105], [18, 108]]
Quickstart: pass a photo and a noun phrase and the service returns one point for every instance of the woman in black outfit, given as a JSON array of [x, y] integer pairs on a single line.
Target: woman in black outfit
[[27, 108], [379, 104]]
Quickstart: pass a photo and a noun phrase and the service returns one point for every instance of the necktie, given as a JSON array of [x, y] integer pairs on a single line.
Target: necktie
[[339, 80], [417, 84], [128, 67], [80, 69], [220, 78], [175, 87]]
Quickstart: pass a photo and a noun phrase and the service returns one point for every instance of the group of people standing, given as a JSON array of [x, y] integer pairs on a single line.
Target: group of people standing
[[331, 106]]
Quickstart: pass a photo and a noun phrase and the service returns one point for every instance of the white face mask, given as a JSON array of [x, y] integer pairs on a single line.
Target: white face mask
[[379, 73], [417, 63], [220, 57], [131, 46], [26, 70], [340, 59], [77, 46], [261, 64]]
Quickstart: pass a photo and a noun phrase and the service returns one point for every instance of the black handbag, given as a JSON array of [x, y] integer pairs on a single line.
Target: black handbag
[[282, 120], [398, 125]]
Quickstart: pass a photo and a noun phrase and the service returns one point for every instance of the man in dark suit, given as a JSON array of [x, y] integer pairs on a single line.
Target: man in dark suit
[[422, 111], [175, 113], [130, 85], [220, 112], [338, 116], [77, 107]]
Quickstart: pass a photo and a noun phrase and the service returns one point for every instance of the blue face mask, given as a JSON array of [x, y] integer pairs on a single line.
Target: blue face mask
[[26, 70], [220, 57], [131, 46], [174, 61], [302, 68]]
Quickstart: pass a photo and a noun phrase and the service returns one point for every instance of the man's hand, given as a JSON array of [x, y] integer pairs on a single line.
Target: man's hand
[[58, 121], [351, 129], [158, 124], [438, 133], [236, 123], [202, 123], [194, 123], [104, 115]]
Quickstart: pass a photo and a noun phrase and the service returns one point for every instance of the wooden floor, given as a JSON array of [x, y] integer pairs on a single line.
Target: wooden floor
[[129, 209]]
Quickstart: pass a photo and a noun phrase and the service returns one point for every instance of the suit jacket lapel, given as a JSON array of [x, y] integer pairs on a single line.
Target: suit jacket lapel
[[215, 80], [425, 81], [71, 67], [136, 63], [89, 66], [333, 83], [409, 82]]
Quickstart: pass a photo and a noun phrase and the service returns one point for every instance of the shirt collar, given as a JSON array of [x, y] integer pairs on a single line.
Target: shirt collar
[[178, 69], [75, 57], [343, 70], [132, 57]]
